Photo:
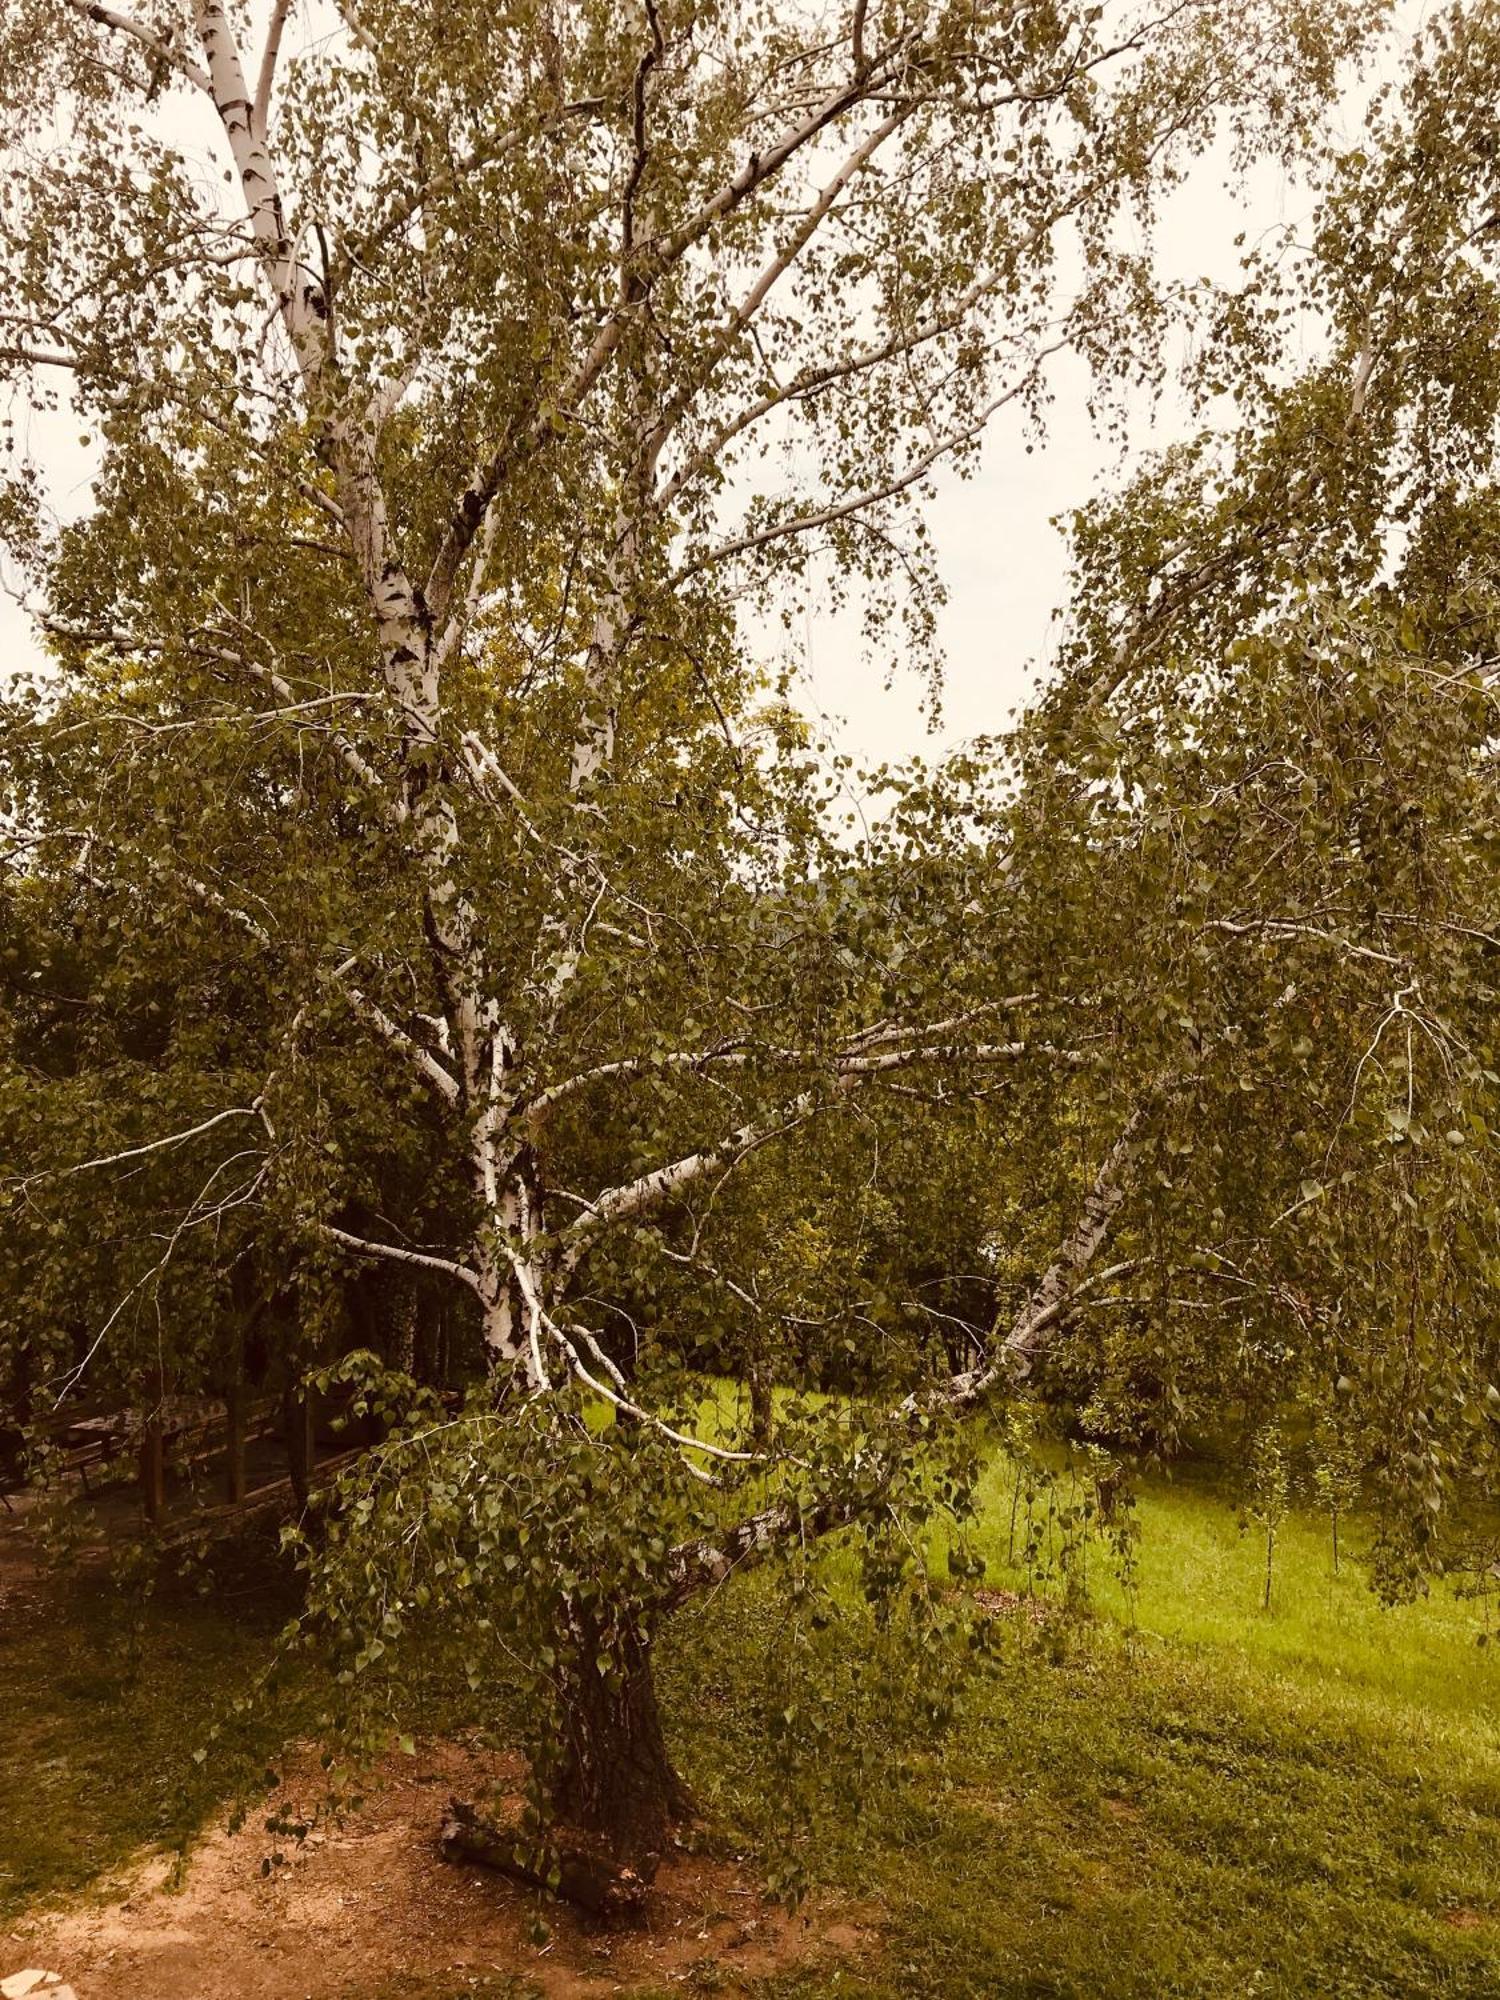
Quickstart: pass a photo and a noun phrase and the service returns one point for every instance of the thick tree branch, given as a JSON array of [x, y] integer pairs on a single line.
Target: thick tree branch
[[422, 1060], [1033, 1326], [161, 52], [630, 288], [392, 1253], [1287, 927], [731, 1056], [260, 113], [709, 1560], [42, 357], [847, 1073]]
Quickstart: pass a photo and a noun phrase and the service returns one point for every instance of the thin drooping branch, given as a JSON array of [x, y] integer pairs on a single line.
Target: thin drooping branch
[[1171, 592], [740, 317], [766, 164], [485, 152], [392, 808], [944, 447], [843, 369]]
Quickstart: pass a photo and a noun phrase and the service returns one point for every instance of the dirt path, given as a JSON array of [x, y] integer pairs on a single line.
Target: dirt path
[[369, 1910]]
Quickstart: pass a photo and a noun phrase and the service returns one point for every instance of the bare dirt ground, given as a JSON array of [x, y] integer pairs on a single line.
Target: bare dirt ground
[[367, 1909]]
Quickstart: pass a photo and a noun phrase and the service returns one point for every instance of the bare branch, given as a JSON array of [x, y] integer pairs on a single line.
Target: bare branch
[[392, 1253], [261, 110], [42, 357], [1285, 927], [172, 1140], [849, 1073]]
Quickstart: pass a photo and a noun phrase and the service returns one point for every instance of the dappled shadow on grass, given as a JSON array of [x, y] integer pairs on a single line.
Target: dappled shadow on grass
[[110, 1685]]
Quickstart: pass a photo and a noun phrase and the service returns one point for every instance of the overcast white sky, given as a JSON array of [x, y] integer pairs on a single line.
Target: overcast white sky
[[1003, 560]]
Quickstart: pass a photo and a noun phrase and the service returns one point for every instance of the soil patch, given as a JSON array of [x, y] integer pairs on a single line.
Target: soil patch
[[368, 1909]]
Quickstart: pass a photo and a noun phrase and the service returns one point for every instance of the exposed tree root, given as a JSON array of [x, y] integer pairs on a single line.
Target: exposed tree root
[[576, 1866]]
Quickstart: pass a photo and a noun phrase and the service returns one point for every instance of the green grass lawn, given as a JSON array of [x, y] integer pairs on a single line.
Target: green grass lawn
[[1188, 1795], [1180, 1795], [1200, 1582]]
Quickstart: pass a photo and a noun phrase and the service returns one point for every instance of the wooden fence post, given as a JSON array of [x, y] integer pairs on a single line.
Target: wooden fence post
[[301, 1448], [153, 1469], [234, 1435]]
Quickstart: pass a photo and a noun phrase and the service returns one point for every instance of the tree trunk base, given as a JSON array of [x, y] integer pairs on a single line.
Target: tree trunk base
[[588, 1875]]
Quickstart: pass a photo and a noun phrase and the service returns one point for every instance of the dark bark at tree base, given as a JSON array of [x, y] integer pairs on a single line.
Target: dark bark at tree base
[[614, 1796], [588, 1874], [615, 1779]]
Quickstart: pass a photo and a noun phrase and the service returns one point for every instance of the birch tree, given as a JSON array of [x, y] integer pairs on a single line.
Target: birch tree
[[459, 374]]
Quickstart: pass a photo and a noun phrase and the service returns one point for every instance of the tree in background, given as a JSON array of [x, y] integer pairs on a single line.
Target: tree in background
[[1269, 753]]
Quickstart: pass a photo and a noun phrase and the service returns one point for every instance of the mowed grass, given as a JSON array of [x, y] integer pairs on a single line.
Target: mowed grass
[[1179, 1794], [1200, 1580]]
